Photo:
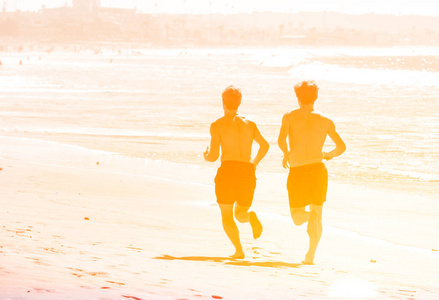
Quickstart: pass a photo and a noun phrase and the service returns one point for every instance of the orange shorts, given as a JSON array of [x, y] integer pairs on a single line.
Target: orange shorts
[[235, 181], [307, 185]]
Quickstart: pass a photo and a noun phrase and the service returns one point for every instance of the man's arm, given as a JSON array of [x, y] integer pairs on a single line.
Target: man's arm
[[215, 140], [282, 140], [340, 146], [263, 146]]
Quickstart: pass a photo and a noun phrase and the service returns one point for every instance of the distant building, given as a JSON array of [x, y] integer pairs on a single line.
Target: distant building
[[86, 5]]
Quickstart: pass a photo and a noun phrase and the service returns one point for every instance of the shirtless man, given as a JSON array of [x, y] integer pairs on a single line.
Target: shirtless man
[[235, 180], [307, 182]]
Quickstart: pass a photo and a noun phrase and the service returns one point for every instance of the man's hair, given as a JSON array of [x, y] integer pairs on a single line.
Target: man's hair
[[306, 91], [232, 97]]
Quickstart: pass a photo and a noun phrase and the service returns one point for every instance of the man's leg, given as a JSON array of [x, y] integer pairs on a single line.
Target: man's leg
[[314, 230], [231, 229], [299, 215], [243, 215]]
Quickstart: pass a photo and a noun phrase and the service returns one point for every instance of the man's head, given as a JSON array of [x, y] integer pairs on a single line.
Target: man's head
[[306, 92], [232, 97]]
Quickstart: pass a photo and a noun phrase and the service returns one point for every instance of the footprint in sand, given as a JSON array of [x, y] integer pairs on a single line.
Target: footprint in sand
[[79, 273], [53, 250], [42, 290], [114, 282], [97, 273], [135, 249], [131, 297], [37, 261], [75, 269]]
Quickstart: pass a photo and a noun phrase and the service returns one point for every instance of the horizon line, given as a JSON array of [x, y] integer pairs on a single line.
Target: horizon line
[[137, 11]]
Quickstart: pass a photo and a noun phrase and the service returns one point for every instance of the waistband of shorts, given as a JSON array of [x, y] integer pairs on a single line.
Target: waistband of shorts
[[235, 163], [308, 166]]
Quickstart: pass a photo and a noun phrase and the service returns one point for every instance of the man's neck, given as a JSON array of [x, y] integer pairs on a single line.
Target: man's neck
[[307, 107], [230, 113]]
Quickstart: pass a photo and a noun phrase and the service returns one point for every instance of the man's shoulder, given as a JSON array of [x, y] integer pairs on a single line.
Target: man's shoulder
[[225, 121], [321, 115], [216, 124], [290, 115], [217, 121], [246, 120]]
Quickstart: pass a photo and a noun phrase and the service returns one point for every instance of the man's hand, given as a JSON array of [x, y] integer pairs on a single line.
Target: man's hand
[[285, 161], [206, 153], [255, 164], [327, 156]]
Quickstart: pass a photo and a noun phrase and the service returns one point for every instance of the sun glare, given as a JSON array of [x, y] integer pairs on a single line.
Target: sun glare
[[353, 288]]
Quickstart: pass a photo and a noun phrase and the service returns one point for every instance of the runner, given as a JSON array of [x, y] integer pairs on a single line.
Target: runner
[[307, 182], [235, 181]]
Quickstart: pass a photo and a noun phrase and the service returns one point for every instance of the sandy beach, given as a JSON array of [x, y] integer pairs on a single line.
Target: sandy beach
[[88, 224]]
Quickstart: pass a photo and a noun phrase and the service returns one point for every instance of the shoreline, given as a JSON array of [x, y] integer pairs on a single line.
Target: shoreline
[[200, 176], [412, 187], [371, 203]]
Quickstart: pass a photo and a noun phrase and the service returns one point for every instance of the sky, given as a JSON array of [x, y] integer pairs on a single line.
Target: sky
[[395, 7]]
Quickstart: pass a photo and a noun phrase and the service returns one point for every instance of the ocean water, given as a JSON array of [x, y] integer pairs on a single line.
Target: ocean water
[[159, 103], [153, 108]]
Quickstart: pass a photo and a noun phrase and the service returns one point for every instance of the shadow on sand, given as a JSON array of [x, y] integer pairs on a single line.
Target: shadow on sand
[[231, 261]]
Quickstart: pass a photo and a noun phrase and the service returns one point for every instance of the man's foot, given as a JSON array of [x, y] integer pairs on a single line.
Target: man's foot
[[312, 224], [309, 259], [256, 225], [238, 255]]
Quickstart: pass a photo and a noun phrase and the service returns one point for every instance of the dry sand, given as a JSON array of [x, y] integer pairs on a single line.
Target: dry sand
[[82, 224]]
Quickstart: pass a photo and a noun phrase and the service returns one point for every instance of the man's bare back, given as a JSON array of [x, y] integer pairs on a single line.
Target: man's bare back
[[235, 135], [307, 130]]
